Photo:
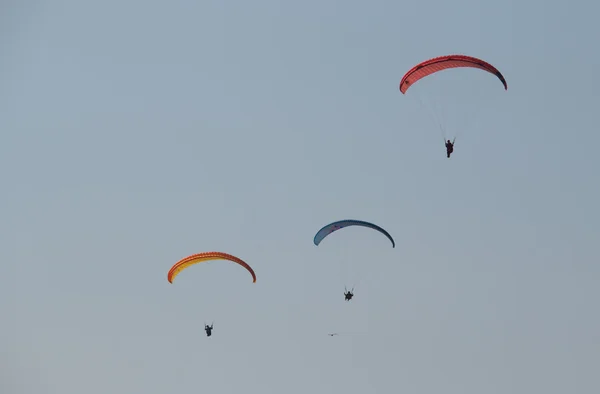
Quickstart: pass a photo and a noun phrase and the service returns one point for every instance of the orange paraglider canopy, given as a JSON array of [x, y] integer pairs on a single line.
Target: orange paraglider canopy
[[207, 256]]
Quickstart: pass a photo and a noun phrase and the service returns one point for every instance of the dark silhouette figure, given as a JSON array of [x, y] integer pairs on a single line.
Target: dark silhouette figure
[[449, 148], [348, 294]]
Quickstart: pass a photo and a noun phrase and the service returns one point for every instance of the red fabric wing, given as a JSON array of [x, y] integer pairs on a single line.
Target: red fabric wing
[[436, 64]]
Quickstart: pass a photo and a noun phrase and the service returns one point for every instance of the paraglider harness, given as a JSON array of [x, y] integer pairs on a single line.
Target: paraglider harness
[[208, 329]]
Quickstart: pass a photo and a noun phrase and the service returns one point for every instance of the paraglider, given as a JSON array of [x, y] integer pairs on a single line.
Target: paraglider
[[449, 148], [348, 294], [330, 228], [202, 257], [441, 63]]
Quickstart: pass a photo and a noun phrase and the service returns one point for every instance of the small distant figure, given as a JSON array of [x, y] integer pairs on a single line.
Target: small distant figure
[[449, 148], [348, 294], [208, 329], [335, 333]]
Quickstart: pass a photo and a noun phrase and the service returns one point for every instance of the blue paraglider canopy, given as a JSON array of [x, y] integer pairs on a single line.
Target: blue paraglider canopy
[[330, 228]]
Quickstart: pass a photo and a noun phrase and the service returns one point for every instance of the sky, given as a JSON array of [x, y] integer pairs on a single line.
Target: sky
[[135, 133]]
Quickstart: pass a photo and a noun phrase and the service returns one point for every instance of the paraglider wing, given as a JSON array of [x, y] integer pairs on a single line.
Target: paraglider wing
[[434, 65], [201, 257], [325, 231]]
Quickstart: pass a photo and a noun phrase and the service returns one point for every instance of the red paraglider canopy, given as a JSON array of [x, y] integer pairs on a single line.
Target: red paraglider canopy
[[436, 64]]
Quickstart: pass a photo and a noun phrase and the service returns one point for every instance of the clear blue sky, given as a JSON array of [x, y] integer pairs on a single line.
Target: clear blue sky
[[134, 133]]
